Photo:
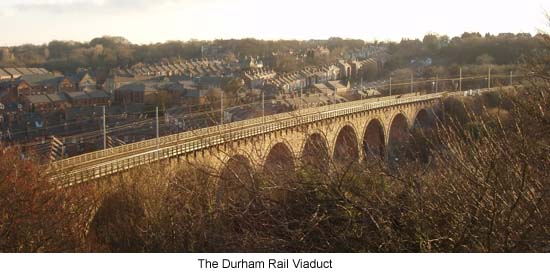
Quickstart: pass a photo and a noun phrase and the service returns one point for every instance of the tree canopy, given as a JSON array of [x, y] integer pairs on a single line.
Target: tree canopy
[[107, 52]]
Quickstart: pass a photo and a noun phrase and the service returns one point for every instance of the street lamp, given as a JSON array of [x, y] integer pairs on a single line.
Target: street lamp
[[104, 130], [489, 78], [412, 81], [436, 83], [263, 106], [221, 100], [460, 80], [390, 84], [301, 91]]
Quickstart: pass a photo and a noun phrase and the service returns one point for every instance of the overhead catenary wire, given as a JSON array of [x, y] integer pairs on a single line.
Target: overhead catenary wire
[[133, 125], [111, 130]]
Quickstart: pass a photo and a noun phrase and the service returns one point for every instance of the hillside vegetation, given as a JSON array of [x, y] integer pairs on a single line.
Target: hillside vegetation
[[478, 181]]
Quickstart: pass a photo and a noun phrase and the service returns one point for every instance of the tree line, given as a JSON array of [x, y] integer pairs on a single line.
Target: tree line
[[108, 52], [475, 180]]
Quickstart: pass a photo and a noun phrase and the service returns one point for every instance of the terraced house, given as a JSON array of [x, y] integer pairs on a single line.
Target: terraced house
[[258, 77], [181, 70], [305, 78], [83, 80], [46, 84]]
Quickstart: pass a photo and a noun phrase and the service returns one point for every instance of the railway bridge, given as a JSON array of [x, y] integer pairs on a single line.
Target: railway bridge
[[372, 128]]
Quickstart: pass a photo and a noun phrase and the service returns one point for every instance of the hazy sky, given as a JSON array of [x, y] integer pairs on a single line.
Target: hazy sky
[[145, 21]]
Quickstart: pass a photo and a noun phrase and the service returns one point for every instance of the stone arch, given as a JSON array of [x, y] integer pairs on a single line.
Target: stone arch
[[346, 146], [279, 165], [236, 181], [115, 223], [277, 142], [424, 122], [315, 152], [398, 137], [424, 118], [374, 146]]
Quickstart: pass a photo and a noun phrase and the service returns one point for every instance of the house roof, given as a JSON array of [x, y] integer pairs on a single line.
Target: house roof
[[98, 94], [45, 79], [14, 73], [369, 60], [320, 74], [77, 95], [337, 84], [180, 67], [38, 99], [322, 87], [35, 71], [343, 63], [4, 74], [144, 70], [137, 87], [44, 71], [57, 97], [172, 86], [80, 76], [24, 71]]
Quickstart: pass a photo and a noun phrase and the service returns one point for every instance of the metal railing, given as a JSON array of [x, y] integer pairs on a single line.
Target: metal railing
[[124, 149], [101, 163]]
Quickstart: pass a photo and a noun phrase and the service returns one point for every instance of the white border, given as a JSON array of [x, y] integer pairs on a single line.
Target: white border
[[343, 264]]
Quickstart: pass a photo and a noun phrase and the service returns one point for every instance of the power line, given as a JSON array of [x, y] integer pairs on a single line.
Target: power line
[[133, 125]]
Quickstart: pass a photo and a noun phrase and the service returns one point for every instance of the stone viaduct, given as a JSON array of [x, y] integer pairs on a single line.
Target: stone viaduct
[[235, 154], [344, 132]]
